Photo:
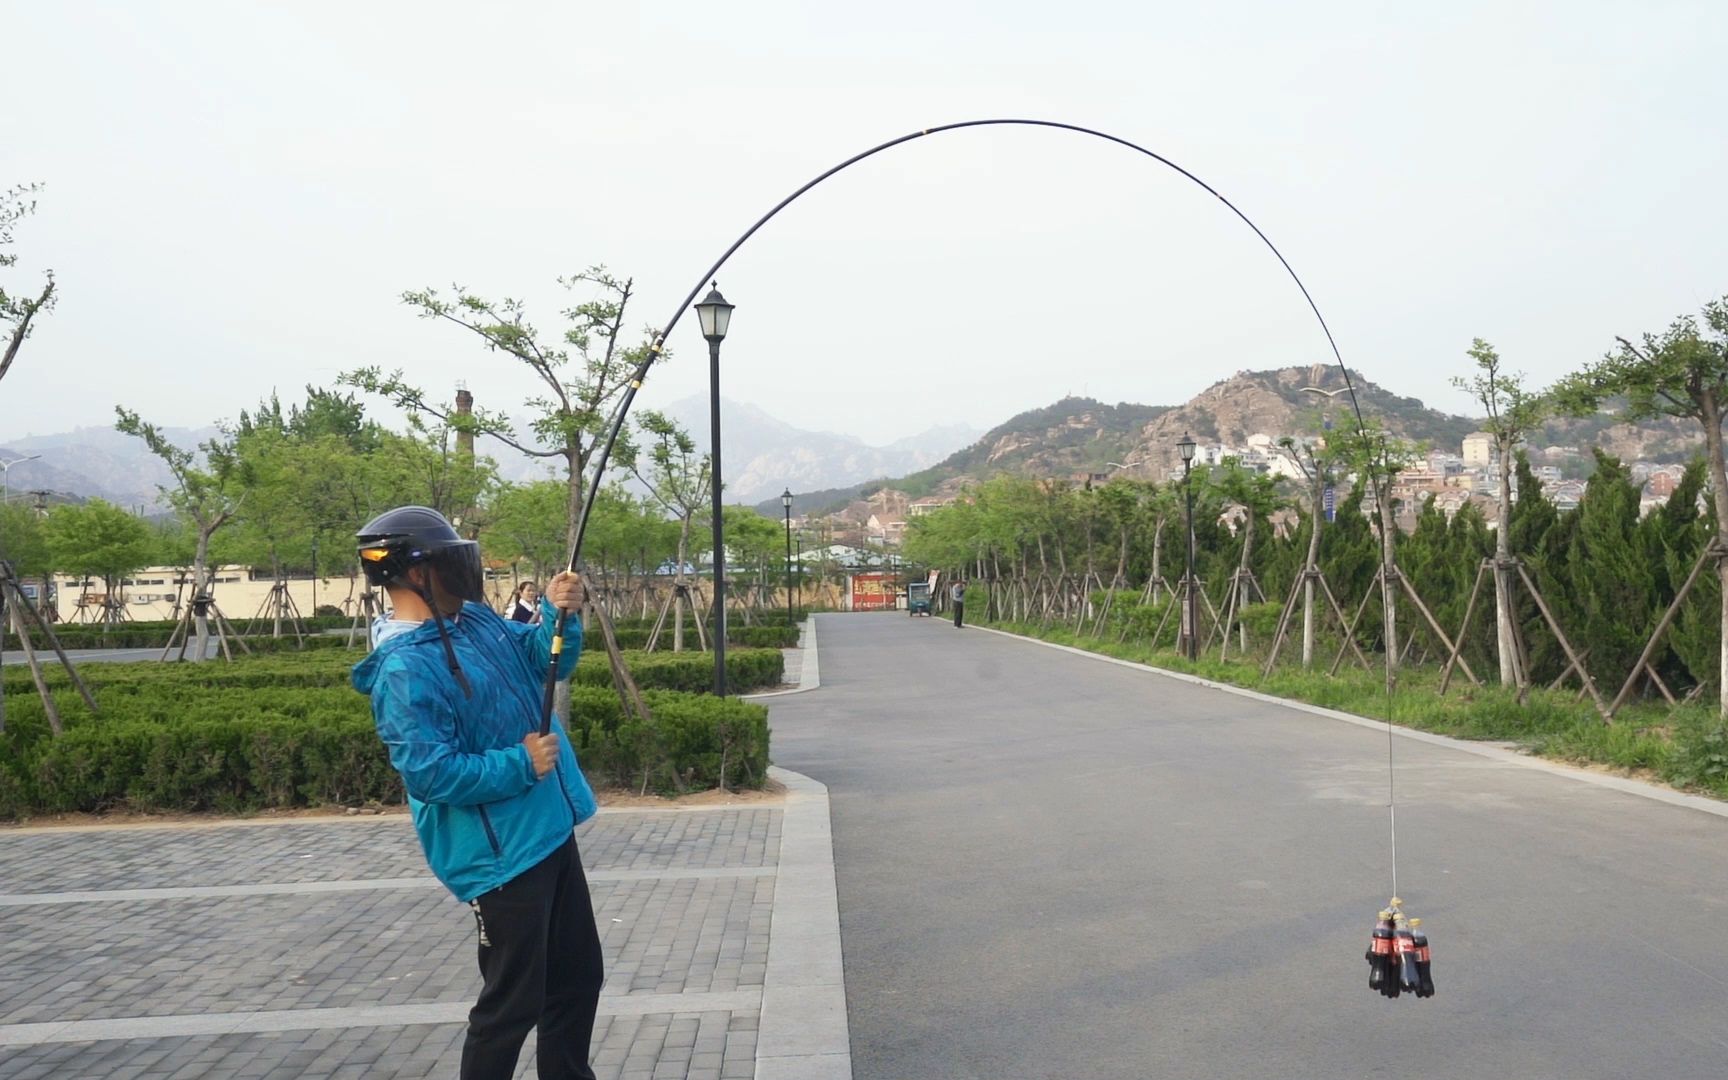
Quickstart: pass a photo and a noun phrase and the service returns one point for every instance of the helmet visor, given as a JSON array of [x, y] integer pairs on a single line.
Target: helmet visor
[[456, 568]]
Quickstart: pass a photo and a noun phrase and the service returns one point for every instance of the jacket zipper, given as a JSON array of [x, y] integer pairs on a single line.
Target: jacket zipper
[[557, 767], [491, 837]]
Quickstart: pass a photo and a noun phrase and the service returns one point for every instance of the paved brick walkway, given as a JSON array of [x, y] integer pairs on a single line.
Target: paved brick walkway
[[323, 949]]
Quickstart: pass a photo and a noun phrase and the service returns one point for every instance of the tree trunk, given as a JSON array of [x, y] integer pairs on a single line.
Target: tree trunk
[[1242, 573], [1157, 555], [202, 647], [1712, 411], [1388, 594], [678, 586], [1318, 513], [1505, 644]]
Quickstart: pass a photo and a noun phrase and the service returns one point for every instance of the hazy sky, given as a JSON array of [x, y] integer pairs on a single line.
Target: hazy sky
[[237, 193]]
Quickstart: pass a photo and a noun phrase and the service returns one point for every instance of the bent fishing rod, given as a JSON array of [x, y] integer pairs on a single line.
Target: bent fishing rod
[[657, 346]]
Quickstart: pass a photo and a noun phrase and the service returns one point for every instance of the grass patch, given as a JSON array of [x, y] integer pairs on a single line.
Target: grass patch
[[1686, 747]]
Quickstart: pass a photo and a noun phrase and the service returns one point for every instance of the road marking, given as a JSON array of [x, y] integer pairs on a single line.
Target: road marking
[[158, 1027], [302, 888]]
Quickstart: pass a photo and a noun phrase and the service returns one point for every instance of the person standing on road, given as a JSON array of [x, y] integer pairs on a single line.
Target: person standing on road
[[958, 595], [526, 608], [456, 697]]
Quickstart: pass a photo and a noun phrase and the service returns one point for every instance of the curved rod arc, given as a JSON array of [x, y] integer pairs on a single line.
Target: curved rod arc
[[616, 420]]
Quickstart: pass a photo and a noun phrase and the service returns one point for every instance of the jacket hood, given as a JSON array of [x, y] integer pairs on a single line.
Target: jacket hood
[[365, 673]]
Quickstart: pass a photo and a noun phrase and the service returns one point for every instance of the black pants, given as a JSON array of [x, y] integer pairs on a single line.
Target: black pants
[[540, 957], [959, 612]]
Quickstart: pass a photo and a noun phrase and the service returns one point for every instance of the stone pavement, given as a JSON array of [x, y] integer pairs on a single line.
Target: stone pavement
[[321, 948]]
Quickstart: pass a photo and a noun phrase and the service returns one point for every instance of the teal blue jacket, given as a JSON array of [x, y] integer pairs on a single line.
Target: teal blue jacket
[[482, 816]]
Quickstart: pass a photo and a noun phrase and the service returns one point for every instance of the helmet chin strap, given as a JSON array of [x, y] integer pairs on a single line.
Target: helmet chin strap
[[425, 594]]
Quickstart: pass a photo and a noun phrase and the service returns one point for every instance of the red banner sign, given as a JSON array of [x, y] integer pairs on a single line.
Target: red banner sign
[[873, 592]]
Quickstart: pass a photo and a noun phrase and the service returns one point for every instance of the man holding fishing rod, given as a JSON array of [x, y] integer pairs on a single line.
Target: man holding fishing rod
[[455, 693]]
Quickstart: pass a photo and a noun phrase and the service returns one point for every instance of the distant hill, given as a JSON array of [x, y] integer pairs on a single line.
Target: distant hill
[[763, 455], [1078, 435], [1074, 434], [96, 462], [1275, 403]]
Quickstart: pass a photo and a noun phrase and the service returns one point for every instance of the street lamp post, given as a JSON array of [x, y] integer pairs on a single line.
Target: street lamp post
[[314, 577], [716, 316], [786, 502], [6, 473], [1185, 446]]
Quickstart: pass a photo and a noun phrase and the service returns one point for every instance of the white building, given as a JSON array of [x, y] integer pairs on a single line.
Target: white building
[[1478, 450]]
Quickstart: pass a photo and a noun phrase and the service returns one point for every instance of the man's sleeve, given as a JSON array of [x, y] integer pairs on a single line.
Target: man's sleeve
[[419, 727], [538, 639]]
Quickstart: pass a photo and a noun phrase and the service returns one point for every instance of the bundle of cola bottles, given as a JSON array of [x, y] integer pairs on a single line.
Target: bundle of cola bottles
[[1398, 961]]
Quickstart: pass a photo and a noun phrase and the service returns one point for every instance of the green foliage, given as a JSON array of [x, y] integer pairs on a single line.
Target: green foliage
[[525, 525], [97, 539], [1688, 747], [24, 541], [288, 730], [746, 670]]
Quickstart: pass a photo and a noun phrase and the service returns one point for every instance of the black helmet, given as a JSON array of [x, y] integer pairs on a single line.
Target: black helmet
[[411, 536]]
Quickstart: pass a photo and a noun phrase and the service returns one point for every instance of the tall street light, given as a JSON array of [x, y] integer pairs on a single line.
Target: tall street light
[[6, 473], [1185, 446], [786, 502], [716, 316]]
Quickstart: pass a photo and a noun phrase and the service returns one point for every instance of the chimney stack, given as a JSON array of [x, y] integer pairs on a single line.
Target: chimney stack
[[464, 407]]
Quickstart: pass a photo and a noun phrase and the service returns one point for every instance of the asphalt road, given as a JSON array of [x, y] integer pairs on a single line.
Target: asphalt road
[[1050, 866]]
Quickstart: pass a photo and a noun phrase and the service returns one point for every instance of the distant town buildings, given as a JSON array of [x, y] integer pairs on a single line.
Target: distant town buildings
[[1469, 477]]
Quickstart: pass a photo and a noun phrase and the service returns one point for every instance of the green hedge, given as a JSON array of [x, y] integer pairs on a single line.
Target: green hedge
[[156, 635], [746, 670], [284, 731], [744, 637]]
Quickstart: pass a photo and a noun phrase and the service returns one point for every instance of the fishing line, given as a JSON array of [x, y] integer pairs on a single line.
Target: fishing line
[[657, 346]]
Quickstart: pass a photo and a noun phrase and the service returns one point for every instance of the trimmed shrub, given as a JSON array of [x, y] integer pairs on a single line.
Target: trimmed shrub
[[746, 670], [287, 730], [778, 636]]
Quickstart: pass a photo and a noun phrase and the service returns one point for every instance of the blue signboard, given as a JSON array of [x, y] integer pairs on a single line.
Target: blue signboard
[[1329, 500]]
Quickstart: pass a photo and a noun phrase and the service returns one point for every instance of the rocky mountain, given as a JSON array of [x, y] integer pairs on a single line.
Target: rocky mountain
[[1080, 435], [1287, 401], [1073, 435]]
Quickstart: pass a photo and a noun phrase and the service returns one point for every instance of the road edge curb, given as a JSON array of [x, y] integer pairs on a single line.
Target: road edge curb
[[803, 1032]]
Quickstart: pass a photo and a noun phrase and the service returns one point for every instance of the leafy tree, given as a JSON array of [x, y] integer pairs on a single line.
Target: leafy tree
[[1610, 580], [582, 373], [526, 525], [311, 474], [1674, 536], [680, 480], [1512, 413], [17, 311], [100, 540], [207, 496], [24, 543], [627, 535], [1314, 459], [1681, 372]]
